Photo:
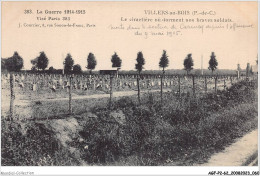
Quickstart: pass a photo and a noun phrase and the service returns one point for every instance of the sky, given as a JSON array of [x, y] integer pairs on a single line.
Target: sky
[[230, 47]]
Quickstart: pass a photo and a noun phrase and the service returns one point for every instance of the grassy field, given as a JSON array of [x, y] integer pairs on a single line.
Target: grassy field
[[184, 130], [44, 85]]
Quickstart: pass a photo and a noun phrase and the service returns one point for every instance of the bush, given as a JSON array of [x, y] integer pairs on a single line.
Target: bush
[[104, 138], [77, 69], [123, 103], [31, 144], [187, 130]]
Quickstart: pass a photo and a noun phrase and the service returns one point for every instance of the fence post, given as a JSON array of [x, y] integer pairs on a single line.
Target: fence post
[[179, 84], [94, 83], [111, 90], [12, 96], [206, 84], [216, 79], [103, 83], [238, 74], [193, 85], [162, 87], [172, 84], [225, 84], [70, 87], [138, 88]]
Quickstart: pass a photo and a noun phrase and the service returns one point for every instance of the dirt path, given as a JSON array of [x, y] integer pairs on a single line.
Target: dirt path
[[237, 153], [22, 103], [94, 96]]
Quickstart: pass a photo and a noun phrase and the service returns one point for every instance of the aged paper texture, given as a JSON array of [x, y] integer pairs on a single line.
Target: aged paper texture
[[129, 84]]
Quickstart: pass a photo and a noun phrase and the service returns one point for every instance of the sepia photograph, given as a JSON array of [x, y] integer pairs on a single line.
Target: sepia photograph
[[124, 83]]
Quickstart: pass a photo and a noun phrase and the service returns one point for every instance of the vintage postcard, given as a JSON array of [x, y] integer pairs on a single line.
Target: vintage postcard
[[164, 83]]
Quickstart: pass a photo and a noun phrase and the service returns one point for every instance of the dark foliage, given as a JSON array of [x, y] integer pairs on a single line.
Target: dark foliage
[[140, 62], [116, 61], [14, 63], [188, 63], [68, 64], [91, 60], [77, 69], [213, 63], [25, 144], [164, 61], [51, 70], [41, 62]]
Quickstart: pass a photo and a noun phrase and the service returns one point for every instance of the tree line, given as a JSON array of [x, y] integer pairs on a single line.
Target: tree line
[[40, 63]]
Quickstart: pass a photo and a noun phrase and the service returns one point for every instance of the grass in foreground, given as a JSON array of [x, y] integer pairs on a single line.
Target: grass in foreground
[[182, 131]]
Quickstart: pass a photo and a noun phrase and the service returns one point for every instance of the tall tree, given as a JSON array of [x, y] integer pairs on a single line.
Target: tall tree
[[14, 63], [140, 62], [139, 67], [116, 61], [164, 61], [42, 61], [77, 69], [213, 63], [91, 60], [68, 64], [188, 63]]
